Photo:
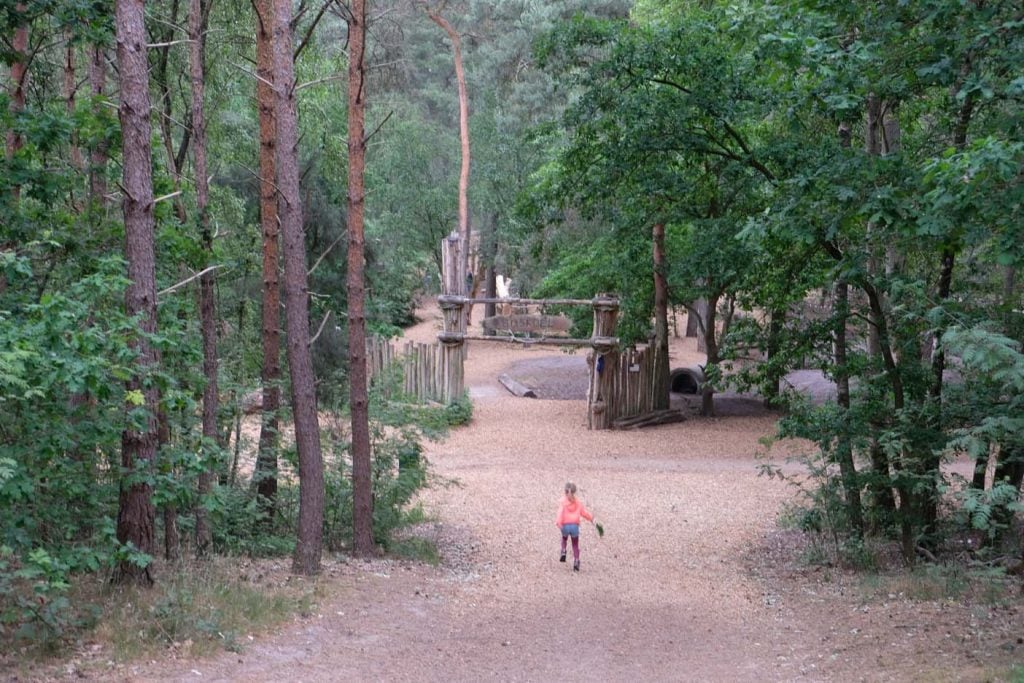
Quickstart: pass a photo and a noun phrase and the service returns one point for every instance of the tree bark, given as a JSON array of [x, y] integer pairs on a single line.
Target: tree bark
[[266, 462], [707, 392], [661, 370], [844, 446], [19, 74], [694, 311], [175, 160], [136, 514], [460, 77], [172, 536], [362, 473], [490, 249], [873, 146], [207, 302], [931, 462], [98, 155], [772, 389], [309, 544], [70, 93]]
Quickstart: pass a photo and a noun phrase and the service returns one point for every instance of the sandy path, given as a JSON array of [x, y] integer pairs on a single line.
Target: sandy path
[[666, 595]]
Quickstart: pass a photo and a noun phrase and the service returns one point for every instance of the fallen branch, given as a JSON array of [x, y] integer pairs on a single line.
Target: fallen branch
[[186, 281]]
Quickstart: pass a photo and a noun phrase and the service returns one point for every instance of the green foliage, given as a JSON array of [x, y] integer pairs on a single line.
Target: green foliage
[[34, 607], [820, 511], [985, 510], [61, 387], [205, 609], [938, 582], [459, 412]]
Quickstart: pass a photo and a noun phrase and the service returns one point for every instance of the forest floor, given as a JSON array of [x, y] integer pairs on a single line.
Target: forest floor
[[693, 580]]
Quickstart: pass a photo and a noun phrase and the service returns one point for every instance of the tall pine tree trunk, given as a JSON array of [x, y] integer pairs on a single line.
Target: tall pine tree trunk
[[309, 544], [136, 514], [266, 461], [362, 475]]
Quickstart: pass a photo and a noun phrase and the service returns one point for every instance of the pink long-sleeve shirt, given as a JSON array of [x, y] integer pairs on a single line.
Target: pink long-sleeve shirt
[[570, 512]]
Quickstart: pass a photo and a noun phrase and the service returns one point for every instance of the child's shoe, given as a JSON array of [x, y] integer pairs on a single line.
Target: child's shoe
[[575, 565], [561, 558]]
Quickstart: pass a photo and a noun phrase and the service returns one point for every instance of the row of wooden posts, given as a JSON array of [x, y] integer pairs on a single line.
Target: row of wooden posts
[[621, 382]]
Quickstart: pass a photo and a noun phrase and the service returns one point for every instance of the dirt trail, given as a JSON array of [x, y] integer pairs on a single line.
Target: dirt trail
[[667, 595]]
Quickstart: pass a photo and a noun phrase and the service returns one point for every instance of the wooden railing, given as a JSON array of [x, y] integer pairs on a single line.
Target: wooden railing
[[424, 375]]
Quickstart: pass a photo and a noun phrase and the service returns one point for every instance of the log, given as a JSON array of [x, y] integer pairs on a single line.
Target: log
[[517, 388], [657, 417]]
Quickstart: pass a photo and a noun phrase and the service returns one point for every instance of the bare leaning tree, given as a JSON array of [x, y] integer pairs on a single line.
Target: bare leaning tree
[[435, 12]]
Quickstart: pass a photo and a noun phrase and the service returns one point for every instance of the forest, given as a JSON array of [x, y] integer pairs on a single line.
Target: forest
[[206, 208]]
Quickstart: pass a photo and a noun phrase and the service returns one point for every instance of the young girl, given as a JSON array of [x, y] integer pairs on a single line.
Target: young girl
[[570, 511]]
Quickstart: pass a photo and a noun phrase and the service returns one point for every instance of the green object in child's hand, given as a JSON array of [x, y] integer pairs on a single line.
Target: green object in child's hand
[[600, 529]]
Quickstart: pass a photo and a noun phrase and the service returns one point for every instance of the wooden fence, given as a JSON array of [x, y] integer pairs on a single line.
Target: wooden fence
[[631, 390], [424, 372]]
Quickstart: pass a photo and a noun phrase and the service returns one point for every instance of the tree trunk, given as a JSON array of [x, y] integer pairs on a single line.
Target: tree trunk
[[19, 73], [880, 482], [362, 472], [98, 155], [909, 508], [489, 247], [707, 392], [172, 536], [1006, 467], [460, 77], [873, 147], [175, 160], [309, 544], [693, 318], [265, 475], [70, 93], [931, 462], [207, 303], [844, 447], [772, 389], [661, 370], [136, 514]]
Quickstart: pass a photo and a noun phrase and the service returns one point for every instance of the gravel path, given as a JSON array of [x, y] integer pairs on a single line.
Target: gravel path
[[671, 593]]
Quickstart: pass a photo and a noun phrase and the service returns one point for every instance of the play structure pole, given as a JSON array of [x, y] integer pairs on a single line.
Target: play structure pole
[[603, 361]]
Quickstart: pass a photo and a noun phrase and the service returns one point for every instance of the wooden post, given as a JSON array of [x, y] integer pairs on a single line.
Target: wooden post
[[452, 302], [604, 365], [454, 252], [452, 341]]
